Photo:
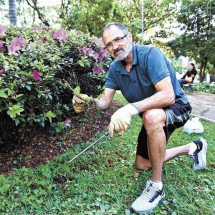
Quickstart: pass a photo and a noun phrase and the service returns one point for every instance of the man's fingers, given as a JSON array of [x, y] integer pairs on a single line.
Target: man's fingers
[[77, 100], [117, 126], [120, 126], [121, 133], [111, 129], [126, 125]]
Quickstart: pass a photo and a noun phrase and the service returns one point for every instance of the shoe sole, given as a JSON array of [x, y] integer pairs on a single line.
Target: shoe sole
[[202, 156], [147, 211]]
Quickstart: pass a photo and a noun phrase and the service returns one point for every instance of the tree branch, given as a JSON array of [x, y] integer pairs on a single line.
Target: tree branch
[[36, 8]]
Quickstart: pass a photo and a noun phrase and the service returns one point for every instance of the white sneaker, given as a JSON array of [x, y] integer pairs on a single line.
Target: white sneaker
[[148, 200], [198, 151]]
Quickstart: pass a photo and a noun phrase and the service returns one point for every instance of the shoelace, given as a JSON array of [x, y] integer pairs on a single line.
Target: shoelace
[[148, 193], [195, 158]]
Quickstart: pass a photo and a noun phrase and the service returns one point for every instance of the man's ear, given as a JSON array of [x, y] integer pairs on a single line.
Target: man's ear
[[130, 36]]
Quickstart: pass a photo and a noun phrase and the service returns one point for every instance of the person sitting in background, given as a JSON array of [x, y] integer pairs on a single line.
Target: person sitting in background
[[189, 76]]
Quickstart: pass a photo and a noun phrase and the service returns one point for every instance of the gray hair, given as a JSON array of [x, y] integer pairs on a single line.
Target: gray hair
[[118, 25]]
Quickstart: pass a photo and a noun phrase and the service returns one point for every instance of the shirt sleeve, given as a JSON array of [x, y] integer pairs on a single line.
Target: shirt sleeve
[[111, 80], [156, 66]]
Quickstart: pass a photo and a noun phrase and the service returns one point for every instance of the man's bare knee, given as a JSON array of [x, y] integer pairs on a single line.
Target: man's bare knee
[[153, 119]]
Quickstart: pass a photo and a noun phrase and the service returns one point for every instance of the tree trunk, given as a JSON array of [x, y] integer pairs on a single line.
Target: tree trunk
[[203, 65], [12, 12]]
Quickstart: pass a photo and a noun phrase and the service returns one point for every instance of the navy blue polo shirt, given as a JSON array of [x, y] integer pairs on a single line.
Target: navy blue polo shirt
[[149, 66]]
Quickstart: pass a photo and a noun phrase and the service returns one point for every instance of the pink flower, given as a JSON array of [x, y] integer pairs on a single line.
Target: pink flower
[[1, 71], [95, 41], [2, 31], [20, 41], [91, 52], [36, 75], [16, 45], [36, 29], [67, 122], [12, 49], [60, 35], [96, 56], [96, 70], [103, 53], [2, 46], [42, 39], [85, 50]]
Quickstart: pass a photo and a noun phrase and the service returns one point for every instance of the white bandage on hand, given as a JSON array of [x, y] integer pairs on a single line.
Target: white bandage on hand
[[121, 119]]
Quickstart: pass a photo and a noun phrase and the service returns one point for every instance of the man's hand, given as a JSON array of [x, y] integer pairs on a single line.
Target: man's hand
[[102, 104], [79, 102], [121, 119]]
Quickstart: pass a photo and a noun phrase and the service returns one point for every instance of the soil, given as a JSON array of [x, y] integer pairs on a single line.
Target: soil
[[42, 147]]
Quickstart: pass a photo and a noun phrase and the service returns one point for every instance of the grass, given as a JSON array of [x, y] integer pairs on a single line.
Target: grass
[[104, 181]]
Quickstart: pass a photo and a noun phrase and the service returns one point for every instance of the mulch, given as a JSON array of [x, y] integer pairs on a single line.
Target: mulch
[[41, 147]]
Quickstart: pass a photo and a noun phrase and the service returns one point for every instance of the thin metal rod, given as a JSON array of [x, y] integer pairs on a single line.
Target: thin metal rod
[[87, 148]]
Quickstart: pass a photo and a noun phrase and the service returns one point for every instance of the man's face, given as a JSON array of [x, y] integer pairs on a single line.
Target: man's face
[[118, 44]]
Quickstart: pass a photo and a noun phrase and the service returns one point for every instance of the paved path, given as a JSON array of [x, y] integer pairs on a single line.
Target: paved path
[[203, 104]]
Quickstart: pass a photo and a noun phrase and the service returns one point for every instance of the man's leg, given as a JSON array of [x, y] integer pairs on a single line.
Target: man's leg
[[145, 164], [142, 161], [154, 121]]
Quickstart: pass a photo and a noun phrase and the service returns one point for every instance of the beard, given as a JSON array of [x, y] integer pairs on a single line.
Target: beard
[[125, 54]]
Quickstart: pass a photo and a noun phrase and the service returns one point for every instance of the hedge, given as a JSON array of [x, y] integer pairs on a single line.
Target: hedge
[[39, 69]]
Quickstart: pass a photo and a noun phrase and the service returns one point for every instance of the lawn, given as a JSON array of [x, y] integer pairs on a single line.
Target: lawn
[[104, 180]]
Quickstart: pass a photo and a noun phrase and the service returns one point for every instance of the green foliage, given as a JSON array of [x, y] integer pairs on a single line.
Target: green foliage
[[92, 16], [39, 67], [196, 19], [204, 87], [105, 181], [178, 67]]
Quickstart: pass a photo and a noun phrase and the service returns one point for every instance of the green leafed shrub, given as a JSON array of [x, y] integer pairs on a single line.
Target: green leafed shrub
[[204, 87], [39, 67]]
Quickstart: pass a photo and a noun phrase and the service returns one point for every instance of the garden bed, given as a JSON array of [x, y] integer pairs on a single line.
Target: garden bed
[[41, 147]]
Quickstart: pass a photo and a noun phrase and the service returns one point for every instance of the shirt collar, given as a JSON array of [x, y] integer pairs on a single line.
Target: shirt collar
[[134, 49]]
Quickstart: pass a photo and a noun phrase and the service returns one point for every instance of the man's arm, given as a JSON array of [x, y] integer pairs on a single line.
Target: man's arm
[[164, 97], [106, 100]]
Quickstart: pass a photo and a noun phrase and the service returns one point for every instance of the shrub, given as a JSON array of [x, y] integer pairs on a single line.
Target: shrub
[[204, 87], [39, 67]]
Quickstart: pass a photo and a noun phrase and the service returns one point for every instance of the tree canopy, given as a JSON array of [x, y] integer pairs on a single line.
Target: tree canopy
[[193, 20], [197, 20]]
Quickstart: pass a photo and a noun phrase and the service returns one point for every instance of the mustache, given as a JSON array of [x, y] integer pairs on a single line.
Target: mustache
[[118, 49]]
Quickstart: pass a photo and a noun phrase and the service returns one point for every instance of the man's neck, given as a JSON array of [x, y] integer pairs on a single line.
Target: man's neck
[[129, 59]]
